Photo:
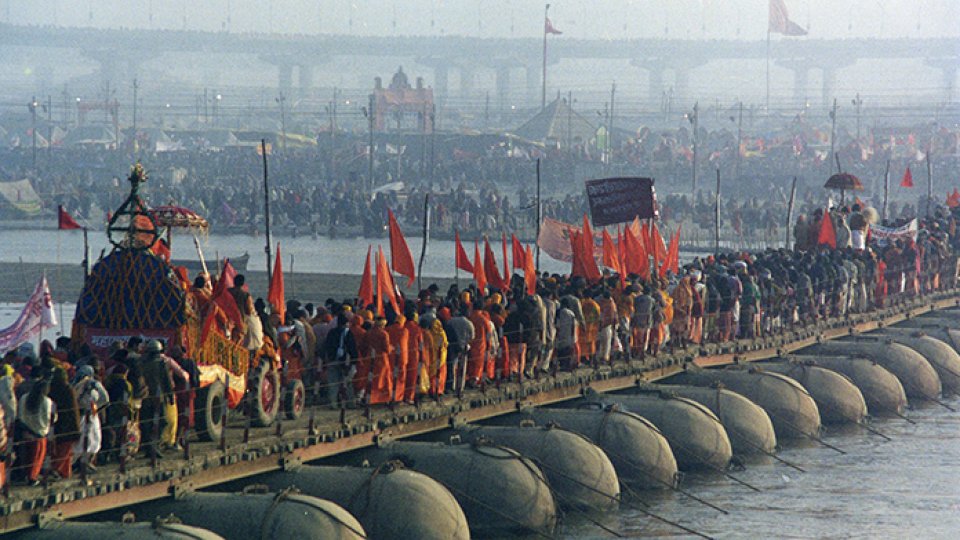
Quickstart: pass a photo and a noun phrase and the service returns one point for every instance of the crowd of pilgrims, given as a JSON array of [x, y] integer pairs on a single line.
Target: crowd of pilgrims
[[66, 409]]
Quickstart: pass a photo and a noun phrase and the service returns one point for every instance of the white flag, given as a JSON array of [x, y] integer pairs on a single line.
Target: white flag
[[37, 314], [48, 316]]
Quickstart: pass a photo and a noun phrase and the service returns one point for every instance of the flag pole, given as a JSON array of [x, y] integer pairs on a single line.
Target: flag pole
[[768, 67], [793, 194], [536, 241], [266, 209], [543, 89], [426, 239], [886, 189], [716, 216], [929, 181], [86, 254]]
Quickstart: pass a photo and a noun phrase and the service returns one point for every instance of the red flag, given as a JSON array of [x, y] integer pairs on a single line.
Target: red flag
[[65, 221], [506, 264], [222, 300], [659, 246], [463, 262], [161, 249], [953, 200], [636, 259], [385, 285], [672, 261], [589, 262], [490, 270], [519, 255], [827, 235], [366, 283], [576, 265], [548, 27], [275, 293], [780, 22], [907, 181], [478, 274], [529, 272], [645, 238], [379, 299], [401, 260]]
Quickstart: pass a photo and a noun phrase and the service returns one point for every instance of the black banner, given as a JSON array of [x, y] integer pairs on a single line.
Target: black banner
[[619, 200]]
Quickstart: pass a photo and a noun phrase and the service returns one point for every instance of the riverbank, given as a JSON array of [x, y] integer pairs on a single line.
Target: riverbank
[[17, 281]]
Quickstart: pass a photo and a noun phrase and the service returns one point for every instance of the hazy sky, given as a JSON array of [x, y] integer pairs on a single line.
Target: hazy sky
[[576, 18]]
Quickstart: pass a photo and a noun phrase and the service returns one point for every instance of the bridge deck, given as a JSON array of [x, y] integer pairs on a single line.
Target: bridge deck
[[266, 450]]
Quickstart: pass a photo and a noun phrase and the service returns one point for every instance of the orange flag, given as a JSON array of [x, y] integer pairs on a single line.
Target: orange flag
[[907, 181], [366, 283], [401, 260], [659, 246], [576, 247], [478, 274], [519, 255], [589, 262], [275, 294], [529, 272], [610, 258], [379, 306], [490, 270], [636, 259], [462, 260], [385, 285], [672, 261], [827, 235]]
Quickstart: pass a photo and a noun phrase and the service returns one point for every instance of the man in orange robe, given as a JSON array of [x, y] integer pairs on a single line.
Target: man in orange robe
[[414, 354], [478, 347], [379, 351], [359, 331], [399, 340]]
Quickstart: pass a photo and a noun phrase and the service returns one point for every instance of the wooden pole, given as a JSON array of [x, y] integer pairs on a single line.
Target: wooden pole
[[886, 190], [539, 209], [793, 196], [426, 240], [86, 254], [266, 209], [716, 216]]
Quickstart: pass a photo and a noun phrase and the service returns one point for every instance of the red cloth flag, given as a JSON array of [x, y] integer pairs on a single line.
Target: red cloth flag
[[161, 249], [275, 293], [672, 262], [827, 235], [478, 274], [780, 22], [636, 259], [953, 200], [519, 255], [610, 257], [385, 285], [548, 27], [529, 272], [589, 262], [222, 299], [645, 238], [401, 260], [490, 270], [462, 260], [366, 283], [506, 262], [907, 181], [65, 221], [576, 264]]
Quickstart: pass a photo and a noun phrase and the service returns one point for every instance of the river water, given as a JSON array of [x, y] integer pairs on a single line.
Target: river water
[[320, 256], [904, 488]]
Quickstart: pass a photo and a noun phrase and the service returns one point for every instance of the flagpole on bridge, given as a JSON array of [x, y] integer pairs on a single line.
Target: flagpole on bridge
[[768, 69], [543, 90]]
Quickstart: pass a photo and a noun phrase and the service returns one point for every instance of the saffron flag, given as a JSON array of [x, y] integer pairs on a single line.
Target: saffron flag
[[672, 261], [610, 258], [953, 200], [589, 261], [827, 236], [519, 255], [385, 285], [907, 181], [548, 27], [529, 272], [222, 301], [576, 247], [780, 22], [401, 260], [65, 221], [636, 259], [462, 260], [379, 299], [366, 283], [478, 274], [275, 293], [161, 249], [490, 270]]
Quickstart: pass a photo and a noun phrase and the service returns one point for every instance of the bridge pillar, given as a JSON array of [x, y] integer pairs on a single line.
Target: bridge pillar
[[284, 77], [948, 72], [533, 74], [801, 78], [468, 80], [654, 69], [441, 80], [503, 87], [830, 80], [305, 73]]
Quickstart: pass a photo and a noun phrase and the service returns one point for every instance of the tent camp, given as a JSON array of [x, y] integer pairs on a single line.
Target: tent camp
[[558, 122]]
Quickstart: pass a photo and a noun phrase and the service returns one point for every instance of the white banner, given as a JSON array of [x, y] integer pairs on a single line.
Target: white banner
[[37, 314], [882, 235]]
